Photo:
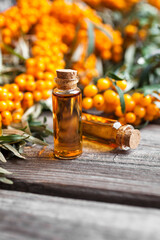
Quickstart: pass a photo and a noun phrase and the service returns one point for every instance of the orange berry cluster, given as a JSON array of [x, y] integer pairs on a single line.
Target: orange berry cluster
[[133, 32], [104, 97], [123, 5], [20, 18], [74, 14]]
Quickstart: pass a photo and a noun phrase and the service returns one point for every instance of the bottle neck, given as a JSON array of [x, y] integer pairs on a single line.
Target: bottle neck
[[66, 84]]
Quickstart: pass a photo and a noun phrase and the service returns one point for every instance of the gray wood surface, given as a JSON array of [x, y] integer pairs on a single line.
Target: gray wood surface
[[131, 177], [25, 216]]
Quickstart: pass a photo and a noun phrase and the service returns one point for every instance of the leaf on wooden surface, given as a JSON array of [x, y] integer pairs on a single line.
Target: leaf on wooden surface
[[91, 38], [120, 93], [13, 150], [2, 158], [5, 180], [4, 171], [114, 76]]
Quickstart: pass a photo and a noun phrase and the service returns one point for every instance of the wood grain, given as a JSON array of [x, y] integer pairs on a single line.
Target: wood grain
[[131, 177], [30, 216]]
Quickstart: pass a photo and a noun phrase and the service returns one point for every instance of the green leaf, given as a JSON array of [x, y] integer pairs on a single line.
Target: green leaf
[[13, 150], [144, 77], [5, 180], [11, 50], [4, 171], [91, 38], [129, 56], [12, 138], [120, 93], [114, 76], [2, 158]]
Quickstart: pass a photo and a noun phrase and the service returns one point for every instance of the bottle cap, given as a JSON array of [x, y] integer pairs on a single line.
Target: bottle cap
[[66, 74], [66, 79], [128, 137]]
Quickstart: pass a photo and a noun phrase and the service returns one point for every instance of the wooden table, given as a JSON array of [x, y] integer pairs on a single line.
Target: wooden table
[[100, 195]]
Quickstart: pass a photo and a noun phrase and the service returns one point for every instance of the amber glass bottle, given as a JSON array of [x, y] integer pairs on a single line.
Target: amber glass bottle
[[110, 131], [67, 109]]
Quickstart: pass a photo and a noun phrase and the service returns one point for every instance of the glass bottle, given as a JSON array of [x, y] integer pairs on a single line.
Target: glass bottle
[[110, 131], [67, 110]]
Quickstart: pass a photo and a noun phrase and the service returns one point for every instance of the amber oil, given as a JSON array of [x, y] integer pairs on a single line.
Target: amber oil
[[67, 110]]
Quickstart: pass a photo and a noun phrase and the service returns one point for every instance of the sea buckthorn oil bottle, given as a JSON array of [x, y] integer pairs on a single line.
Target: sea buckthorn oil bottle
[[110, 131], [67, 110]]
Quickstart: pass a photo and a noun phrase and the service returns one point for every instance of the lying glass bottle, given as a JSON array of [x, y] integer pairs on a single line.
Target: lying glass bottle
[[110, 131]]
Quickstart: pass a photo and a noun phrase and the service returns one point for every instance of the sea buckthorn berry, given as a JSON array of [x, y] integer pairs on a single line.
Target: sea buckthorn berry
[[130, 105], [139, 111], [46, 94], [10, 105], [110, 96], [40, 85], [0, 117], [6, 118], [98, 100], [10, 95], [84, 81], [27, 103], [49, 84], [37, 96], [30, 62], [40, 66], [130, 117], [39, 75], [87, 103], [3, 106], [137, 97], [19, 110], [127, 97], [3, 95], [145, 101], [14, 88], [28, 96], [48, 76], [29, 77], [122, 84], [21, 82], [117, 100], [152, 109], [103, 84], [131, 30], [17, 105], [118, 111], [31, 86], [18, 96], [16, 117], [90, 90]]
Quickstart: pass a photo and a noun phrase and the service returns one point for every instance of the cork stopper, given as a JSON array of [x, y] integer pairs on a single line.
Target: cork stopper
[[66, 78], [128, 137]]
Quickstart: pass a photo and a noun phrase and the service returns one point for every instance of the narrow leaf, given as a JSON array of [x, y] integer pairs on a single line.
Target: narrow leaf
[[114, 76], [4, 171], [107, 33], [91, 38], [2, 158], [6, 180], [13, 150], [11, 50], [156, 96], [120, 93]]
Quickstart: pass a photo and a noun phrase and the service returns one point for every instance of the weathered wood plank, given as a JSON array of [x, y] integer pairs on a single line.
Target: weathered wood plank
[[30, 216], [131, 177]]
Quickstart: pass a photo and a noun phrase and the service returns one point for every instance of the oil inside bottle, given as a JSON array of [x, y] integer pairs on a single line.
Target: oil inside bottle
[[67, 110]]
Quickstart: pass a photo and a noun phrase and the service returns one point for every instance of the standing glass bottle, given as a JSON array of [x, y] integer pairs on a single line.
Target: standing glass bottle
[[67, 110]]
